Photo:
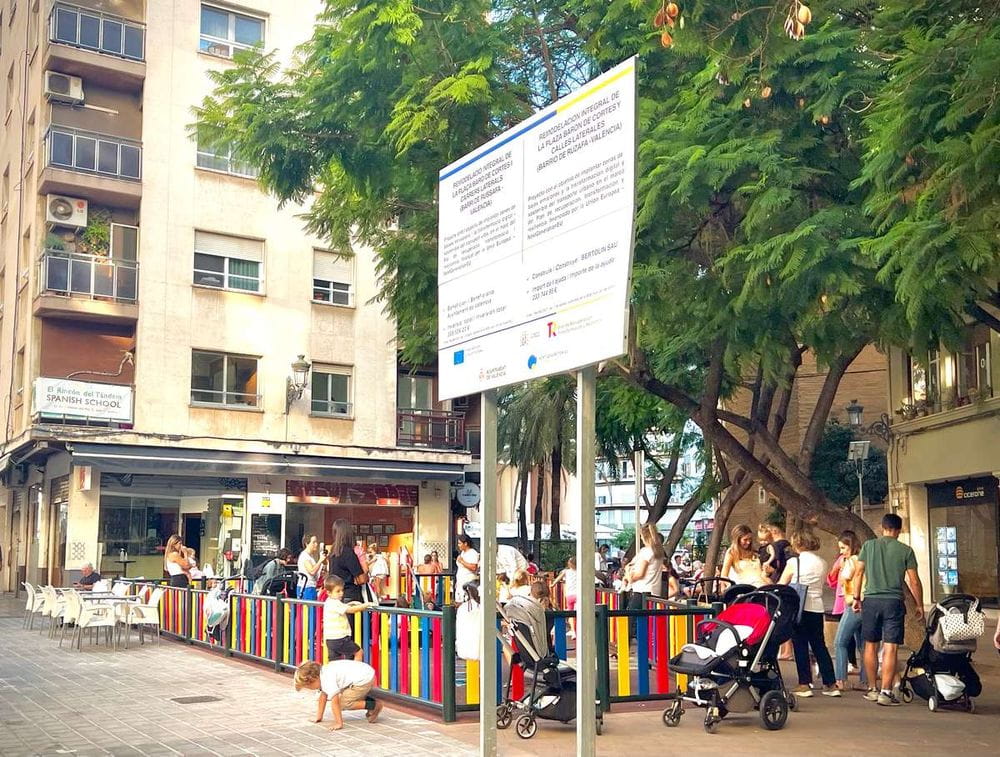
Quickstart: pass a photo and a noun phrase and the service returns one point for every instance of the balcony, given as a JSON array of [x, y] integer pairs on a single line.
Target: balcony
[[87, 287], [99, 47], [98, 167], [436, 429]]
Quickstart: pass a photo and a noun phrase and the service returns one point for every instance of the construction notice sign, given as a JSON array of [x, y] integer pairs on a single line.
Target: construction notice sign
[[535, 242]]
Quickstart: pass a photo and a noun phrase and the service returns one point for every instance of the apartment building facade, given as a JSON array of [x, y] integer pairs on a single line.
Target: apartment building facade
[[177, 354], [944, 461]]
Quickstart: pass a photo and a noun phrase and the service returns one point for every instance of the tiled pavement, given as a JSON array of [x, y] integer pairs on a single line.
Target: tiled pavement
[[63, 702]]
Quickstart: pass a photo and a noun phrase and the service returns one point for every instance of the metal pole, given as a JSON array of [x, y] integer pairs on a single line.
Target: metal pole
[[640, 486], [861, 488], [488, 579], [586, 623]]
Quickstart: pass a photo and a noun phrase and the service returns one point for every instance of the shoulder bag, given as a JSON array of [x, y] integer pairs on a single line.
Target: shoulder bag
[[800, 588]]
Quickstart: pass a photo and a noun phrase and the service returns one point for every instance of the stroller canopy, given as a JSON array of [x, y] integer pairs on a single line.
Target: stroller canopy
[[750, 620], [528, 626]]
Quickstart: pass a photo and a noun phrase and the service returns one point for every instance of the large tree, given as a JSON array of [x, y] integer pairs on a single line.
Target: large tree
[[776, 176]]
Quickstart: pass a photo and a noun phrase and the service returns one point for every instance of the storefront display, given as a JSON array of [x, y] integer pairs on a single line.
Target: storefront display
[[964, 527]]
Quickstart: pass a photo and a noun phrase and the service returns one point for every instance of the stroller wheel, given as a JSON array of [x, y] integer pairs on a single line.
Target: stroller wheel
[[600, 726], [970, 705], [711, 724], [906, 694], [526, 726], [773, 710], [932, 704], [672, 715], [793, 701], [505, 717]]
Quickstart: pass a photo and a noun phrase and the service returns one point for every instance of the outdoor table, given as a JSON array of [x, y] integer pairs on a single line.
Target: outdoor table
[[124, 564]]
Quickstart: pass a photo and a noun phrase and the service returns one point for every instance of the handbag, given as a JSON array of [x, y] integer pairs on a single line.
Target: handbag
[[800, 588], [957, 625]]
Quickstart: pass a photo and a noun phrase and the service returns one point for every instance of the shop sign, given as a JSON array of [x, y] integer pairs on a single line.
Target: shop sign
[[63, 398], [353, 493], [969, 491], [468, 495]]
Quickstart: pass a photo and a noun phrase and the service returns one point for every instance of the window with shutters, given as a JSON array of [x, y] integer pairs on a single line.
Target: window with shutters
[[331, 390], [225, 262], [333, 278]]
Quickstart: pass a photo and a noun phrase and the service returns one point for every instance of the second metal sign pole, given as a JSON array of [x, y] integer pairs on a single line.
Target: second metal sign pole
[[488, 579], [586, 623]]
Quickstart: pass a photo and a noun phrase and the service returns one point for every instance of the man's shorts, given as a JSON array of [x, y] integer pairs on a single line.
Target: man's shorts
[[882, 619], [354, 694], [342, 649]]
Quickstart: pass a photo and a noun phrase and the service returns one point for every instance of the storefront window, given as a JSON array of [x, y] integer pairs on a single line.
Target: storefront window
[[139, 525], [963, 535]]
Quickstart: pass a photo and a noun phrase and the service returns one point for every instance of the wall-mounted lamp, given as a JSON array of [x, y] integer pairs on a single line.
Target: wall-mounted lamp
[[296, 383]]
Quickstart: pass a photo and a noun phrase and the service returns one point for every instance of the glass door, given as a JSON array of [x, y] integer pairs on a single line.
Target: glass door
[[964, 551]]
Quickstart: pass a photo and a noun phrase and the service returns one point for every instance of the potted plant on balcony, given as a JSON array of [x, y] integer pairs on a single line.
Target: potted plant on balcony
[[54, 242], [907, 411], [95, 239]]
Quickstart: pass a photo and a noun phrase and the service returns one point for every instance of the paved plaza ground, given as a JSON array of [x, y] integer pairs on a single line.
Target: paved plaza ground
[[63, 702]]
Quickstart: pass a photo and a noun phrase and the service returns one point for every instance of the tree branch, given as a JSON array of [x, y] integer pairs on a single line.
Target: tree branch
[[821, 411]]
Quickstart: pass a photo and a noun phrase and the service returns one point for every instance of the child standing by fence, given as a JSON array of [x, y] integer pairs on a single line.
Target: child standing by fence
[[569, 577], [336, 630]]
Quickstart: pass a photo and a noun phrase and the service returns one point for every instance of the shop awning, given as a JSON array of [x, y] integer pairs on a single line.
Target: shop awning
[[122, 458]]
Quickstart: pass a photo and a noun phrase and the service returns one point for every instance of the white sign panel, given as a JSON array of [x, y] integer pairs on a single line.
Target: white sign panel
[[64, 398], [535, 243]]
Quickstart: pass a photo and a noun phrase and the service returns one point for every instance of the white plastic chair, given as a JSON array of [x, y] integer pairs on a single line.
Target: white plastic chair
[[120, 589], [94, 615], [101, 586], [143, 615], [71, 613], [32, 606], [52, 607]]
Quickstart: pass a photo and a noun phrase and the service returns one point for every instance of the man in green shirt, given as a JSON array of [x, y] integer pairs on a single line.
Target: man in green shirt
[[884, 565]]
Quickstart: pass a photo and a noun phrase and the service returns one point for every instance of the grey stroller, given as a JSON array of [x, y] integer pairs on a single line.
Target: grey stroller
[[550, 684]]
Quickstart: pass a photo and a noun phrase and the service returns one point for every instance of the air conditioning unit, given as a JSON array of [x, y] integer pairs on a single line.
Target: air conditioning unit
[[66, 211], [63, 88]]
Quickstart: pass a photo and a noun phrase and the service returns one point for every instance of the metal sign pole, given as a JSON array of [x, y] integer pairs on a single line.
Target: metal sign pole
[[586, 623], [488, 578]]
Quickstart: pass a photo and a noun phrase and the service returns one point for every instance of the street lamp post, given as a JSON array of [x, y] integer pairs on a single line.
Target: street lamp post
[[296, 383]]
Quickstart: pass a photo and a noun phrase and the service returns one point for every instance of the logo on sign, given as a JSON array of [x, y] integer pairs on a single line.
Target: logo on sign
[[459, 357], [532, 362], [552, 328], [978, 493]]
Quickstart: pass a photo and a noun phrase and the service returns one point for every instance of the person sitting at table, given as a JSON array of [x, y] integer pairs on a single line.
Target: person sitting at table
[[425, 568], [88, 577]]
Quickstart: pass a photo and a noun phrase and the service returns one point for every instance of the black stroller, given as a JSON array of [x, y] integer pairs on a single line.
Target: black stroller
[[733, 666], [941, 671], [550, 684]]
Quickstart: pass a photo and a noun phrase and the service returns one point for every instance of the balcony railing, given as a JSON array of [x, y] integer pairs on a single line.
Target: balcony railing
[[75, 274], [101, 32], [441, 429], [92, 153]]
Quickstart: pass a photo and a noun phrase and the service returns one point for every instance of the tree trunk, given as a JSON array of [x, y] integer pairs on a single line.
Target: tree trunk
[[539, 497], [683, 518], [522, 510], [556, 494]]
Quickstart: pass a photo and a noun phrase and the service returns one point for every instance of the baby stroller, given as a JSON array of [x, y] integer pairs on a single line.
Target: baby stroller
[[941, 671], [550, 683], [733, 666]]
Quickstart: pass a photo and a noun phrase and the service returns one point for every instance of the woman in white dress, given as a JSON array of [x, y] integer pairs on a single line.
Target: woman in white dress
[[741, 563]]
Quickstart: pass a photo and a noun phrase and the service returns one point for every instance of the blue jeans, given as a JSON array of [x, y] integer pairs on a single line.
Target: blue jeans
[[850, 627], [309, 592]]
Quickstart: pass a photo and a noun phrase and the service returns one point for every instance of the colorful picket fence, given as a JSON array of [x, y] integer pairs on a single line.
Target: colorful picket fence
[[409, 649]]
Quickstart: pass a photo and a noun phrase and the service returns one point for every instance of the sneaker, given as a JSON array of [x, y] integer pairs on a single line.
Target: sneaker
[[888, 700], [872, 695], [802, 691], [831, 691]]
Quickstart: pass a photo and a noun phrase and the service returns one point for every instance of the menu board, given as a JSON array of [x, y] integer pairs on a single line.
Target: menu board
[[947, 556], [265, 535]]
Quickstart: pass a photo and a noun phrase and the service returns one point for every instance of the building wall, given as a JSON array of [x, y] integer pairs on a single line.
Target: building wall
[[866, 381]]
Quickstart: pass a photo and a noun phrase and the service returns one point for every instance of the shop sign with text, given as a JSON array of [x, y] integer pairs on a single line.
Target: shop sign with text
[[64, 398], [359, 493]]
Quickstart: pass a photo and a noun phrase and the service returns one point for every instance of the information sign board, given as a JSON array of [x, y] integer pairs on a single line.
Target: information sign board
[[535, 242]]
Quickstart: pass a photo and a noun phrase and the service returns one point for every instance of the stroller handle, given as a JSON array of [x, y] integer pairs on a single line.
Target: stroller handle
[[768, 596]]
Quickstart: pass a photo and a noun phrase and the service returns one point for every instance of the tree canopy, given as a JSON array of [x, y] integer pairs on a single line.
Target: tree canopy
[[809, 179]]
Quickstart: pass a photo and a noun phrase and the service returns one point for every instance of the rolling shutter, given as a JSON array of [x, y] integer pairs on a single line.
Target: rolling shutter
[[228, 247]]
